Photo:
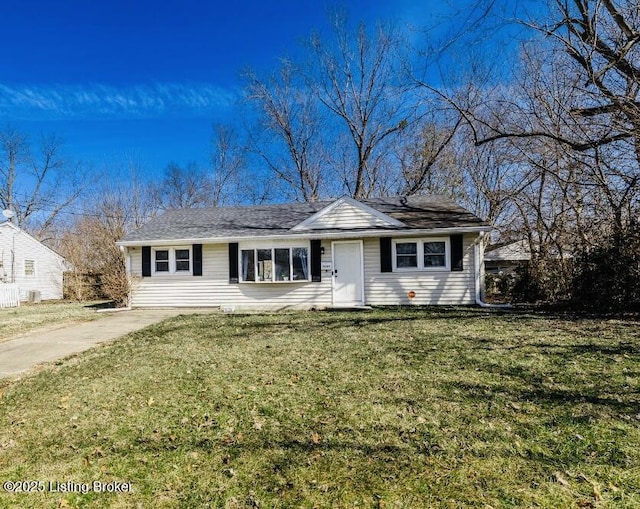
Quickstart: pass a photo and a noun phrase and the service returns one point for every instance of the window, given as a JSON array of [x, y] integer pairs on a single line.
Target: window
[[278, 264], [283, 264], [407, 255], [29, 268], [182, 260], [421, 254], [162, 260], [300, 264], [174, 260], [248, 265], [264, 265], [435, 254]]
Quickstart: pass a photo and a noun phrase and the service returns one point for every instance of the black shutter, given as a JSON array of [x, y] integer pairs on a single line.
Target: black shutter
[[316, 261], [456, 252], [146, 261], [233, 262], [197, 259], [386, 264]]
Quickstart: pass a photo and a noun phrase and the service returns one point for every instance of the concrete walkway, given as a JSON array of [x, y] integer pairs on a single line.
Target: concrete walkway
[[26, 351]]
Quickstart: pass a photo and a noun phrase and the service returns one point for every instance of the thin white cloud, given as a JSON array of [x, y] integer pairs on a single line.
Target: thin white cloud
[[104, 101]]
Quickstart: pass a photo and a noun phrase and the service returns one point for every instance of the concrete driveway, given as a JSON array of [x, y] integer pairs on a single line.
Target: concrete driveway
[[26, 351]]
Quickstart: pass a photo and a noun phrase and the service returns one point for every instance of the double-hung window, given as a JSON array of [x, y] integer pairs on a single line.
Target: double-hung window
[[407, 255], [435, 254], [162, 260], [30, 268], [274, 264], [421, 254], [183, 260], [172, 260]]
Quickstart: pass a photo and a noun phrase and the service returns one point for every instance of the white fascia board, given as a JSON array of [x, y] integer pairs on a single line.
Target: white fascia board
[[310, 235], [350, 201]]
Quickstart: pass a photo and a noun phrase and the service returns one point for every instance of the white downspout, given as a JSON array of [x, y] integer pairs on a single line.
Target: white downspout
[[478, 262], [127, 262]]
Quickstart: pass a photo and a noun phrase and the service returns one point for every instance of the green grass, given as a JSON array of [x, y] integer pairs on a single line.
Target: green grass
[[19, 320], [393, 408]]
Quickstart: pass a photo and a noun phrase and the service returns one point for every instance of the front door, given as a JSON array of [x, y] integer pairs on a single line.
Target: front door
[[347, 273]]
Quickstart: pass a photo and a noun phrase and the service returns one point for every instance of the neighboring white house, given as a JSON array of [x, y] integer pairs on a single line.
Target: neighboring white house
[[29, 264], [506, 258], [342, 253]]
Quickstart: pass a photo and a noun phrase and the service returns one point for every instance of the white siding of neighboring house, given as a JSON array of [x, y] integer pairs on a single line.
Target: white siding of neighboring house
[[49, 266], [213, 288]]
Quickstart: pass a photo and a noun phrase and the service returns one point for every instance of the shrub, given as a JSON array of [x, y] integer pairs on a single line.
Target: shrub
[[91, 249], [607, 277], [543, 279]]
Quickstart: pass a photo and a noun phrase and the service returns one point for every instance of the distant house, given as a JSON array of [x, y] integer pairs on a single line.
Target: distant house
[[29, 264], [340, 253], [506, 258]]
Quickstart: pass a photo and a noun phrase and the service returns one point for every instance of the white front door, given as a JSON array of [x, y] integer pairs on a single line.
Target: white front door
[[347, 273]]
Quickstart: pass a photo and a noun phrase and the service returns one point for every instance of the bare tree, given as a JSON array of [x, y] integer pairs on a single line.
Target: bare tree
[[290, 140], [119, 200], [185, 187], [427, 159], [228, 166], [37, 188], [602, 39], [358, 78], [329, 121], [569, 122], [582, 96]]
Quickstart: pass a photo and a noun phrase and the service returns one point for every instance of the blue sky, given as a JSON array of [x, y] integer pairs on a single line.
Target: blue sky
[[146, 79]]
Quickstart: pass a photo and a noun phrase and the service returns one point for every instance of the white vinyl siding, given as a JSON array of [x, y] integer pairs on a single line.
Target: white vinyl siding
[[29, 268], [213, 289], [47, 266], [346, 216], [431, 287]]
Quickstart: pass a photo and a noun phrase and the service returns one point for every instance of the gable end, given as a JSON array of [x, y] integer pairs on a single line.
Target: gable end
[[347, 213]]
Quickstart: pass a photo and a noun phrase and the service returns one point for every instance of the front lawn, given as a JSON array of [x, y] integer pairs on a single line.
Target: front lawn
[[23, 319], [391, 408]]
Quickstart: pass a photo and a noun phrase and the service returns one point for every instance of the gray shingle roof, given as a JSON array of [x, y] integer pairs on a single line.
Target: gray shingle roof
[[416, 212]]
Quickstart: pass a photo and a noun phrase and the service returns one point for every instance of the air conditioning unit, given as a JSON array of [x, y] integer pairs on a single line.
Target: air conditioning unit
[[35, 296]]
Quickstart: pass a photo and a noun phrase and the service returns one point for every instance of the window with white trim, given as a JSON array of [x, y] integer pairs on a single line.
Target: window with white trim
[[172, 260], [161, 260], [274, 264], [29, 268], [407, 255], [435, 254], [421, 254], [183, 260]]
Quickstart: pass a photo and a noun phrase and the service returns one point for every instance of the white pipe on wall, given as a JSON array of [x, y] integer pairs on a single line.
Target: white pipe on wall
[[478, 257]]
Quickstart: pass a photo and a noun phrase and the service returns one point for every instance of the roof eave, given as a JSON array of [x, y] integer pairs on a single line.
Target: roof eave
[[309, 234]]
